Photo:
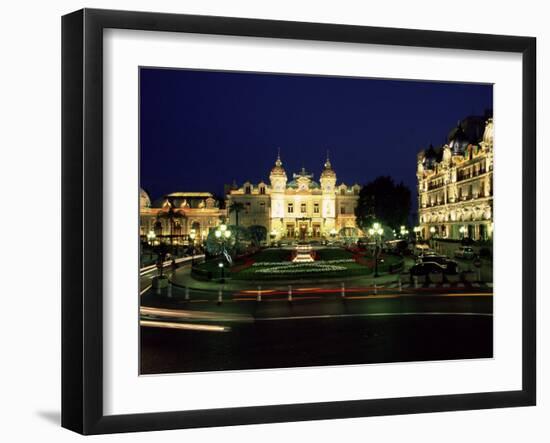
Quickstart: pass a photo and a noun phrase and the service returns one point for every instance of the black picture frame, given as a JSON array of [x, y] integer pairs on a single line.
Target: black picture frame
[[82, 218]]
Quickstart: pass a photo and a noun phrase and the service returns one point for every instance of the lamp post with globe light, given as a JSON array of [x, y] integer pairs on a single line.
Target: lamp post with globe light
[[222, 234], [192, 236], [376, 232], [151, 236]]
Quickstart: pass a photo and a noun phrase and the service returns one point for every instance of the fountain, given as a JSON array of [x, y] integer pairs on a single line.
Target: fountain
[[304, 254]]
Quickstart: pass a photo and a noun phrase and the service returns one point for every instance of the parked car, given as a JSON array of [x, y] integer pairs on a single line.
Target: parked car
[[425, 268], [465, 252], [440, 259], [420, 249]]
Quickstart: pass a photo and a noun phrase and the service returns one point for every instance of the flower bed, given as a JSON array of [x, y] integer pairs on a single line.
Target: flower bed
[[290, 270]]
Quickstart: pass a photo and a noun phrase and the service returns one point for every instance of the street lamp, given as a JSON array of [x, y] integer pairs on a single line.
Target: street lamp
[[222, 234], [220, 265], [150, 241], [463, 231], [417, 230], [192, 235], [376, 231]]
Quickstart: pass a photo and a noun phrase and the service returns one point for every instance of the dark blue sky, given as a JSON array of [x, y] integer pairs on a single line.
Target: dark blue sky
[[201, 129]]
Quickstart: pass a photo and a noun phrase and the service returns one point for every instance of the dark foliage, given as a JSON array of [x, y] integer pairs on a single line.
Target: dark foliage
[[384, 201]]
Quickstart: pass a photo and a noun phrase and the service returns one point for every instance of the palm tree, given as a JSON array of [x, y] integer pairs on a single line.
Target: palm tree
[[236, 207], [171, 215]]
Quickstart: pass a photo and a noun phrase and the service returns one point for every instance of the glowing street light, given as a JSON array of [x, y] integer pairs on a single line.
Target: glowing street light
[[376, 231], [192, 236], [220, 265], [463, 230]]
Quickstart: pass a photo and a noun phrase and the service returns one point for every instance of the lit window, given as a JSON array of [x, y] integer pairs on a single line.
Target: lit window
[[303, 208]]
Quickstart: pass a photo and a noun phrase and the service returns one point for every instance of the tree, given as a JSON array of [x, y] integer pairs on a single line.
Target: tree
[[384, 201], [236, 244], [258, 234], [236, 207], [171, 215]]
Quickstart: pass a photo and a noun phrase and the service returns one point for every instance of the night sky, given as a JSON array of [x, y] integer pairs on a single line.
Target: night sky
[[202, 129]]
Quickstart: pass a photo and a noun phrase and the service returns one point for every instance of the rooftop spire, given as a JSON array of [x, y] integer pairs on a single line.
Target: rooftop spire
[[327, 163], [278, 162]]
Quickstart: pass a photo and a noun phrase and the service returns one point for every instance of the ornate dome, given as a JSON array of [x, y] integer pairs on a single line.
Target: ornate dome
[[144, 200], [458, 141], [278, 170], [328, 172]]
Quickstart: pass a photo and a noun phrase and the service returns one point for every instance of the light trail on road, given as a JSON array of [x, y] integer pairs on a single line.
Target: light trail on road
[[372, 314], [195, 315], [185, 326]]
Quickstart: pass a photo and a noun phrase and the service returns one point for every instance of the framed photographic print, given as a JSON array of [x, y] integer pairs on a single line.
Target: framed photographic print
[[269, 221]]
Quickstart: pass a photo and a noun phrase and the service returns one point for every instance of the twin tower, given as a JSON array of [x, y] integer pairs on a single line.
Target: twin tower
[[300, 208]]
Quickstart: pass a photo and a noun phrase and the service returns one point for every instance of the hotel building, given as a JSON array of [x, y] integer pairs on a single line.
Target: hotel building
[[455, 183]]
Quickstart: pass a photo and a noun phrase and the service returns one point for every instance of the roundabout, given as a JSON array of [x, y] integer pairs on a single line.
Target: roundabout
[[295, 265]]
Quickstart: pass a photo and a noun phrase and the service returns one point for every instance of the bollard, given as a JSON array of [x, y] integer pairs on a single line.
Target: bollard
[[290, 293], [220, 296], [169, 291], [415, 278], [343, 291], [259, 298], [187, 293], [375, 289], [399, 284]]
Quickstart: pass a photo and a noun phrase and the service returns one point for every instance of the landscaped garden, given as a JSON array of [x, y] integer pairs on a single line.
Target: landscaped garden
[[276, 264]]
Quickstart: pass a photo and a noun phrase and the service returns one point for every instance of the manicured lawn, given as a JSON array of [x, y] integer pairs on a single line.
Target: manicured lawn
[[272, 255], [274, 264], [333, 254]]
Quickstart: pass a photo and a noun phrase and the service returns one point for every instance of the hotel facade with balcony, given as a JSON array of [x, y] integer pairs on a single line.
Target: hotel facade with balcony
[[455, 183]]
